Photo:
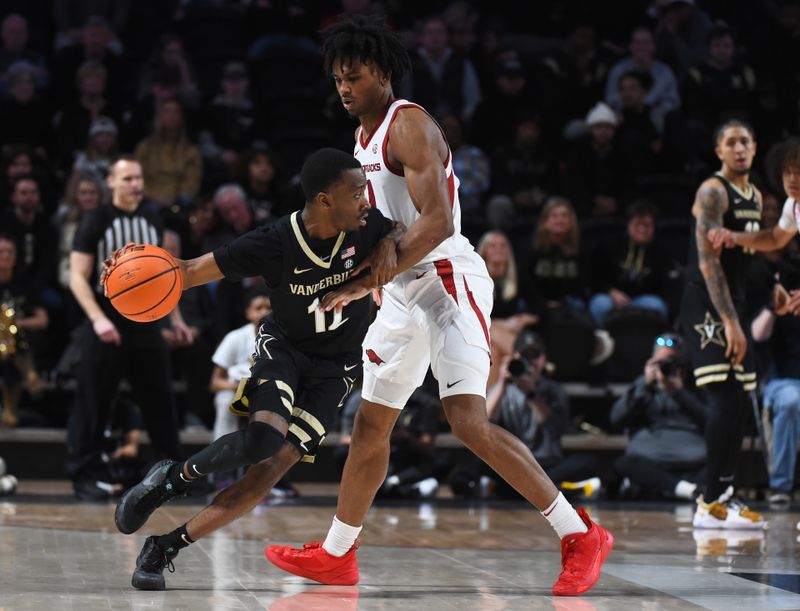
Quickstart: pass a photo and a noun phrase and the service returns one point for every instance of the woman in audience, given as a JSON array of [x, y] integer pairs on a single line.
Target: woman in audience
[[171, 163], [509, 312]]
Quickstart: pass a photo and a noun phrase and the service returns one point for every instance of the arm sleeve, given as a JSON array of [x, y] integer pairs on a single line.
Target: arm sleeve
[[787, 222], [256, 253]]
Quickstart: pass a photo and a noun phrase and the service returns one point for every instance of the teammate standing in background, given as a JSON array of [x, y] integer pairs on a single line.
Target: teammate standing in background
[[712, 317]]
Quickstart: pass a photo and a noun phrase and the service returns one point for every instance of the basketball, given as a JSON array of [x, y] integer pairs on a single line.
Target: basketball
[[145, 284]]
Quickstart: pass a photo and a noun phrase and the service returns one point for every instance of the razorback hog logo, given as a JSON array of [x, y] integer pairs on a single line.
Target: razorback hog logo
[[374, 358]]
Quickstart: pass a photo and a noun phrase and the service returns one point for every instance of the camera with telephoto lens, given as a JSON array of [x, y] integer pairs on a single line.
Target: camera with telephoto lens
[[518, 366], [669, 366]]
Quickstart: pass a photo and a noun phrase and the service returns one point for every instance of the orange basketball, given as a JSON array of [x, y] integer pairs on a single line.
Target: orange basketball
[[145, 284]]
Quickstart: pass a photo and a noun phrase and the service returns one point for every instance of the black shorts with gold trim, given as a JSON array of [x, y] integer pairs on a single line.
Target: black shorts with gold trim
[[307, 390], [704, 338]]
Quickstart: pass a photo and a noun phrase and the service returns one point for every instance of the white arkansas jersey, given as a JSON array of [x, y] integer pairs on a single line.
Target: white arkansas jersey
[[388, 191]]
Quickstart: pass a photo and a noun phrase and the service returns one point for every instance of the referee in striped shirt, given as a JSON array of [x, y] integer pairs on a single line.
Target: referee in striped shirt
[[113, 347]]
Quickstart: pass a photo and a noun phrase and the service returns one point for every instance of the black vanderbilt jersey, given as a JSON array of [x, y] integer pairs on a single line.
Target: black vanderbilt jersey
[[299, 271], [743, 214]]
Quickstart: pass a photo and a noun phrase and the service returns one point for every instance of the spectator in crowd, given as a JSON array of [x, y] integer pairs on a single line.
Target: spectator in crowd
[[636, 138], [666, 452], [32, 232], [112, 345], [781, 397], [571, 77], [15, 50], [230, 202], [681, 34], [536, 409], [171, 163], [169, 54], [557, 278], [233, 359], [19, 306], [101, 150], [84, 192], [164, 87], [495, 118], [71, 17], [441, 80], [509, 310], [202, 220], [93, 46], [663, 96], [262, 184], [595, 172], [525, 169], [26, 118], [230, 119], [629, 273], [75, 119], [719, 88], [471, 166]]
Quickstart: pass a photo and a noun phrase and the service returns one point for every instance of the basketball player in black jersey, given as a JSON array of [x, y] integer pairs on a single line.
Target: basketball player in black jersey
[[305, 363], [712, 319]]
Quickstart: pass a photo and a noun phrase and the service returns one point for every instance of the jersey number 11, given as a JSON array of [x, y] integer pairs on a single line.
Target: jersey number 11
[[319, 318]]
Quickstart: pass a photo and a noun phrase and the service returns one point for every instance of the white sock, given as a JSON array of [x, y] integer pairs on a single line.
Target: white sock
[[685, 490], [563, 517], [341, 538]]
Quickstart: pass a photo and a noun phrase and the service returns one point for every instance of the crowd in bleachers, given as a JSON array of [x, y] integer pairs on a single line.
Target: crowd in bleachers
[[579, 134]]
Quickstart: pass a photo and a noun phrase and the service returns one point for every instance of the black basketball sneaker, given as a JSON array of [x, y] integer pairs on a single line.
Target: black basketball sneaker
[[136, 505], [150, 565]]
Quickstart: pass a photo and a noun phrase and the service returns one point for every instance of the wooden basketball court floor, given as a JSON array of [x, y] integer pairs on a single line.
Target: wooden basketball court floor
[[56, 553]]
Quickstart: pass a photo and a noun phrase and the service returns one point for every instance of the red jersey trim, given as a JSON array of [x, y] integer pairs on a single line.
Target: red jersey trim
[[399, 171], [444, 268], [479, 314], [363, 144]]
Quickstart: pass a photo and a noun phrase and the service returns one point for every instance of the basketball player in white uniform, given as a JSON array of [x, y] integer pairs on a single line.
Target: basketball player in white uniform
[[435, 311]]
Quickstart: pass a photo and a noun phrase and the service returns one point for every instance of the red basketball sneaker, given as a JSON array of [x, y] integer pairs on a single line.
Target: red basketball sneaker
[[313, 562], [582, 555]]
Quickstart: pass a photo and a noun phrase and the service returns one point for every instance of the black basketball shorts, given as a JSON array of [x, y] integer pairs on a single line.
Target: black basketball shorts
[[307, 390]]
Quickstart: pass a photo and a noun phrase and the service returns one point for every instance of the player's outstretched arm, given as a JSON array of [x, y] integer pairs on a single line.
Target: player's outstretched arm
[[382, 259], [709, 208], [417, 144]]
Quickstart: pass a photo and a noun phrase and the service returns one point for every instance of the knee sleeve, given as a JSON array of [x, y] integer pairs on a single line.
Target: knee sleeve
[[261, 441]]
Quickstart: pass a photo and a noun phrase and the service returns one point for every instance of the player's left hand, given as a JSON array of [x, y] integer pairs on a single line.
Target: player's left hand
[[339, 298], [382, 262], [786, 302]]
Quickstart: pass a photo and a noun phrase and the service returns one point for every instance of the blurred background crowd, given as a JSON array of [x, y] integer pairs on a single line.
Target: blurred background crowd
[[580, 132]]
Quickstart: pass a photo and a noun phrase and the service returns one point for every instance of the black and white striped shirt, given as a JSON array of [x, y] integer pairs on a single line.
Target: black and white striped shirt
[[107, 229]]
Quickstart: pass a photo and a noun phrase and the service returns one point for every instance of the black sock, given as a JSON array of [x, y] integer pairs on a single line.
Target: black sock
[[175, 477], [176, 540]]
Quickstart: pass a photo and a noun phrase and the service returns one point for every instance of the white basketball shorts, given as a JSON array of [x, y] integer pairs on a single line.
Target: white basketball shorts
[[433, 314]]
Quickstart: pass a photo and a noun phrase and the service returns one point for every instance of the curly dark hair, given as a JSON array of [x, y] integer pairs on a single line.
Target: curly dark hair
[[781, 156], [368, 39]]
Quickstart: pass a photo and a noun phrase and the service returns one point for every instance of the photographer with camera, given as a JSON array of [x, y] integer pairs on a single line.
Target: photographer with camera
[[536, 409], [666, 450]]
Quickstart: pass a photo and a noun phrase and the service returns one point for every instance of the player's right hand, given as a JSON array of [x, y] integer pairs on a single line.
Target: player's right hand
[[109, 263], [106, 331], [736, 340], [721, 238]]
